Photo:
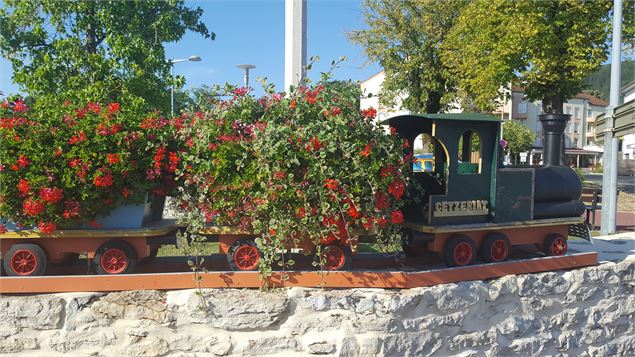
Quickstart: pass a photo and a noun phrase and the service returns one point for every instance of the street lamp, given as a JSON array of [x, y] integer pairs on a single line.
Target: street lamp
[[246, 67], [173, 61]]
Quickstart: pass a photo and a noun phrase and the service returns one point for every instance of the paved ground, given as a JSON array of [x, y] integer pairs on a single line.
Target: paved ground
[[609, 248], [624, 183]]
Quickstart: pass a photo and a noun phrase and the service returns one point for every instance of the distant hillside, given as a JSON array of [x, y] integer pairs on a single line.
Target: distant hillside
[[599, 83]]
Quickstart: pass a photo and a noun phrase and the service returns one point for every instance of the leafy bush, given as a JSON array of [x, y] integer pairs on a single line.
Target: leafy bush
[[62, 165], [302, 166]]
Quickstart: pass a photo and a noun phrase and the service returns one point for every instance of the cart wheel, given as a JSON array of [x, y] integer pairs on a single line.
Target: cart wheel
[[459, 251], [243, 255], [115, 257], [149, 258], [336, 257], [555, 245], [495, 248], [25, 260]]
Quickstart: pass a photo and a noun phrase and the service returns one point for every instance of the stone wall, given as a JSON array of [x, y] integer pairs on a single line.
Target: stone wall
[[586, 312]]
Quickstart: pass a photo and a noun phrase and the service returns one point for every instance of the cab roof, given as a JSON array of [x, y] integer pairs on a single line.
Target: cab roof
[[443, 116]]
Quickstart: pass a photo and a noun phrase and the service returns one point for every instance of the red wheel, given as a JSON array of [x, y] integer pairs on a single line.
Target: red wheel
[[495, 248], [243, 255], [555, 245], [459, 251], [25, 260], [115, 257], [335, 257]]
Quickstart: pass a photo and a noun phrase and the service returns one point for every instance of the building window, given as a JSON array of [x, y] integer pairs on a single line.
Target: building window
[[567, 109], [577, 113], [522, 107], [588, 113]]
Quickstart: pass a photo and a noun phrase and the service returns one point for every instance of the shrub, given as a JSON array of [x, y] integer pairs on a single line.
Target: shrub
[[63, 165]]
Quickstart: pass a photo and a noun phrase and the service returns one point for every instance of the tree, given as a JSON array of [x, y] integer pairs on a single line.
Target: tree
[[94, 48], [548, 47], [405, 37], [519, 137]]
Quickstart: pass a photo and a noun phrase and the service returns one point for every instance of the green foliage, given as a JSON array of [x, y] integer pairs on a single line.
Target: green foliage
[[598, 83], [519, 137], [404, 37], [63, 165], [305, 167], [83, 50], [548, 47]]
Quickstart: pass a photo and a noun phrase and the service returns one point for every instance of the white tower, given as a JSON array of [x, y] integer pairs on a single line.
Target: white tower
[[294, 42]]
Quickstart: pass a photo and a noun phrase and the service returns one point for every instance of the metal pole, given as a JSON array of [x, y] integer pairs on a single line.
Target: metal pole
[[172, 91], [295, 21], [609, 181]]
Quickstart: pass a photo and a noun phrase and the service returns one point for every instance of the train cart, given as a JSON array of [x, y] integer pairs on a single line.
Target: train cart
[[112, 251]]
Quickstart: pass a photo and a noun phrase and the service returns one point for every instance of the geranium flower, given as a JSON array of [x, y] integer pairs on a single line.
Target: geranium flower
[[23, 186], [51, 195], [81, 136], [239, 92], [23, 161], [113, 158], [396, 217], [369, 113], [47, 228], [366, 151], [381, 201], [3, 229], [104, 178], [353, 212], [32, 207], [331, 184], [396, 188], [113, 108], [19, 106]]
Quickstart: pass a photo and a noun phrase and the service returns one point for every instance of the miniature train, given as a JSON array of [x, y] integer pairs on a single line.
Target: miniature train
[[469, 204]]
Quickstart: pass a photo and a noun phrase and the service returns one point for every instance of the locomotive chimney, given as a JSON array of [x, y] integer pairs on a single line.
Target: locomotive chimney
[[553, 126]]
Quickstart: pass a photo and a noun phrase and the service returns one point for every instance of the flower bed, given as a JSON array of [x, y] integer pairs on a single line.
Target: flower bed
[[63, 166]]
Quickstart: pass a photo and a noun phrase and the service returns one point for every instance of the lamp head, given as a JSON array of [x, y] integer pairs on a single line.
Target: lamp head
[[194, 58]]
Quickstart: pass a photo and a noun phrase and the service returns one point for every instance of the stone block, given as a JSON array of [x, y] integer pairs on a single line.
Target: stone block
[[148, 305], [18, 344], [219, 345], [35, 312], [412, 344], [238, 309], [350, 348], [458, 296], [271, 345], [542, 284], [145, 347], [502, 287], [321, 348]]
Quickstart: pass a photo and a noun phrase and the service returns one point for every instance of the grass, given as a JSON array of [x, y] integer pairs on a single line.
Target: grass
[[213, 248]]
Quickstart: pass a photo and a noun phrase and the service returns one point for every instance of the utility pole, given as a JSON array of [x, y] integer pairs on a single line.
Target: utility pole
[[294, 42], [609, 159]]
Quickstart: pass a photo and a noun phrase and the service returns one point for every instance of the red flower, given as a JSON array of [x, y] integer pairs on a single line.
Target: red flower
[[311, 97], [20, 106], [381, 222], [331, 184], [393, 131], [104, 178], [369, 113], [314, 144], [336, 111], [3, 229], [367, 223], [24, 187], [32, 207], [272, 232], [279, 175], [158, 157], [292, 104], [113, 107], [58, 152], [353, 212], [51, 195], [72, 209], [23, 161], [113, 158], [381, 201], [366, 151], [94, 107], [125, 192], [81, 136], [396, 217], [396, 189], [239, 92], [301, 212], [173, 162], [47, 228]]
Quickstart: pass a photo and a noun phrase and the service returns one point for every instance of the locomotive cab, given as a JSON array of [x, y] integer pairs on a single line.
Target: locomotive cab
[[459, 186]]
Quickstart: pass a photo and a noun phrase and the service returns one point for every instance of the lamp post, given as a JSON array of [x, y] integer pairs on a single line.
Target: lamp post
[[173, 61], [246, 67]]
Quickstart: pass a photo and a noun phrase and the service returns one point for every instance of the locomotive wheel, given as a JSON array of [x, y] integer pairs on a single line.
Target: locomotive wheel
[[335, 257], [115, 257], [459, 250], [149, 258], [243, 255], [555, 245], [495, 248], [25, 260]]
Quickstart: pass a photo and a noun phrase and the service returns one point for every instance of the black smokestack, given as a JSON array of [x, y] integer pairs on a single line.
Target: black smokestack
[[553, 126]]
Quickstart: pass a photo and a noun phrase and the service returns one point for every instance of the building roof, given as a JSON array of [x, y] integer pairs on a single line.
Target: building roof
[[443, 116], [593, 100], [371, 77], [627, 88]]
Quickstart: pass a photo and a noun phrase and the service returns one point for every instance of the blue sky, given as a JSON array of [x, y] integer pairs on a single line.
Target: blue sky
[[253, 32]]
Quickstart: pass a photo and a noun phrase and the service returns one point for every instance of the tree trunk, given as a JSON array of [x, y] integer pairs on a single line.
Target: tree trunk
[[433, 102], [553, 104]]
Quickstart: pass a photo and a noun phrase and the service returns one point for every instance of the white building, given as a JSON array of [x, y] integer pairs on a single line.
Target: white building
[[370, 97], [628, 141]]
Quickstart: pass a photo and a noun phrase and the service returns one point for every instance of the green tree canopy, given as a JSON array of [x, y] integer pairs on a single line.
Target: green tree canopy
[[404, 36], [519, 137], [106, 48], [548, 47]]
